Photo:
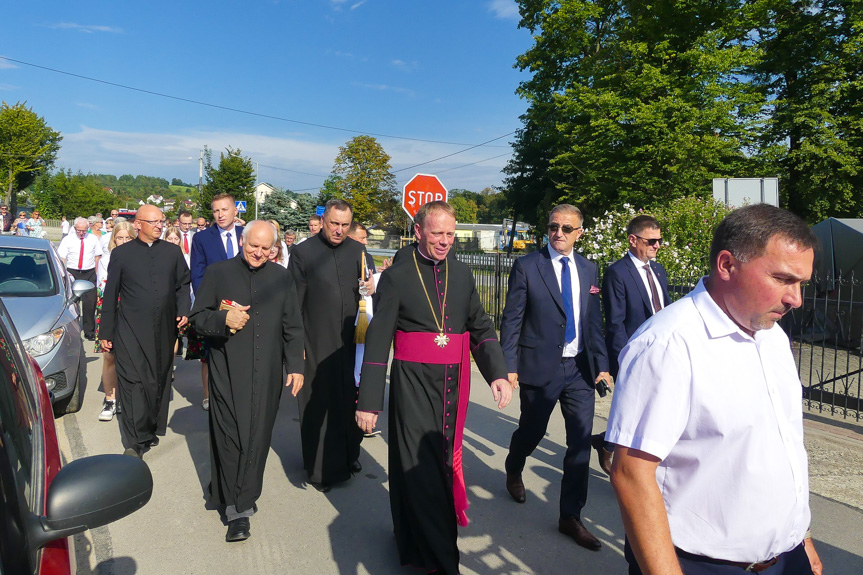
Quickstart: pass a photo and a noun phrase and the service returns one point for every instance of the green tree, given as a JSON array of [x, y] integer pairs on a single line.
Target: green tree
[[290, 209], [367, 182], [465, 210], [235, 175], [330, 189], [813, 137], [28, 147], [66, 194], [631, 102]]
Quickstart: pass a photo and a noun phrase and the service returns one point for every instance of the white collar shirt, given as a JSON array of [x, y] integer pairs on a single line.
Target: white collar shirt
[[722, 411], [642, 273], [233, 239], [572, 348], [69, 251], [186, 240]]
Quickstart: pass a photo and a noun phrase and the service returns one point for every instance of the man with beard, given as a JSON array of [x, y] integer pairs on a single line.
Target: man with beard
[[246, 367], [429, 304], [150, 279], [326, 270]]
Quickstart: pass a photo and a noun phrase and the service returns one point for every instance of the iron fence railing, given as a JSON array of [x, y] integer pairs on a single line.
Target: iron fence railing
[[826, 332]]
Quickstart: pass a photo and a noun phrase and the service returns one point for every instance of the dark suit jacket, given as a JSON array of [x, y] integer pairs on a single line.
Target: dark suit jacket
[[534, 322], [207, 248], [627, 303]]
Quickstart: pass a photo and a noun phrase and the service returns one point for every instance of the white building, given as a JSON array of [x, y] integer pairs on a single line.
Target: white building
[[262, 191]]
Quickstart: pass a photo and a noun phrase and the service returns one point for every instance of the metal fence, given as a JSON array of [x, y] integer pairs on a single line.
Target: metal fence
[[826, 335], [826, 332]]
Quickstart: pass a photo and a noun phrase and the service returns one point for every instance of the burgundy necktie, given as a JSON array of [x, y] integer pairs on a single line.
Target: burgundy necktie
[[653, 293]]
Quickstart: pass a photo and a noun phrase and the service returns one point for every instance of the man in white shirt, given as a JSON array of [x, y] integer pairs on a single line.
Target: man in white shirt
[[184, 219], [81, 252], [709, 467], [315, 225], [64, 227]]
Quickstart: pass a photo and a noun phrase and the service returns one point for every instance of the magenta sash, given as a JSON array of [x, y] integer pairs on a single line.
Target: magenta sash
[[420, 347]]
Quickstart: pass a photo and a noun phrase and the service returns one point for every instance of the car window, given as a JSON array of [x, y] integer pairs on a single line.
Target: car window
[[26, 273], [17, 419]]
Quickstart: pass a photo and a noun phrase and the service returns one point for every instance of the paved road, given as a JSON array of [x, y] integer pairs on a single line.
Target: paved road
[[348, 531]]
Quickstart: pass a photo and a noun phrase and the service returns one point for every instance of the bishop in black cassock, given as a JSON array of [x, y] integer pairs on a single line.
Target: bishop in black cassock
[[146, 297], [245, 375], [326, 269], [429, 305]]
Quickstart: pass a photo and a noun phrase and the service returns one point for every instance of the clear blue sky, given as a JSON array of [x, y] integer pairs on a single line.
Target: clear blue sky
[[438, 71]]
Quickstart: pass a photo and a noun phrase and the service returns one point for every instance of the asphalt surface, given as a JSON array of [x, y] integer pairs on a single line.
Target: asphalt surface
[[349, 531]]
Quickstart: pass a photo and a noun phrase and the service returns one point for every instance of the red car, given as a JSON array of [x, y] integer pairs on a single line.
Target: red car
[[41, 503]]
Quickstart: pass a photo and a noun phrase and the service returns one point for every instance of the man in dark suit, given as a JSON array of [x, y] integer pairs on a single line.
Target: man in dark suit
[[218, 242], [633, 289], [551, 336]]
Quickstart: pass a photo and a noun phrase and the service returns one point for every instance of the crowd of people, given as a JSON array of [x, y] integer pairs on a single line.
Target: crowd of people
[[705, 483]]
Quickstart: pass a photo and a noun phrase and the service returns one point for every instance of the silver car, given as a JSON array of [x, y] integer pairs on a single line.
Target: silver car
[[43, 303]]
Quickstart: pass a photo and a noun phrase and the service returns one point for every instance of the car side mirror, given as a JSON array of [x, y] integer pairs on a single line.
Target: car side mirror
[[91, 492], [81, 287]]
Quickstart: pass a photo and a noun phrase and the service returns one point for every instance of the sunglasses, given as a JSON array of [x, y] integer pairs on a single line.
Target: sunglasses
[[566, 229], [650, 241]]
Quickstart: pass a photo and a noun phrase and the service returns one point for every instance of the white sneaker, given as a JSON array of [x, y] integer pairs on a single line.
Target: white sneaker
[[206, 404], [109, 408]]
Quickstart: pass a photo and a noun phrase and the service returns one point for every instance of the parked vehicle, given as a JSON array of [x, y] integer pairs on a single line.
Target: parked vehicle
[[42, 299], [41, 504]]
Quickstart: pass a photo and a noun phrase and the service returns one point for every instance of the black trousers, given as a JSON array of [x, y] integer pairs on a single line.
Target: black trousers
[[577, 400], [794, 562], [88, 302]]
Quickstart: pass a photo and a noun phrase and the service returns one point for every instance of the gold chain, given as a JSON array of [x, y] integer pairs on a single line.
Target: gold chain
[[440, 326]]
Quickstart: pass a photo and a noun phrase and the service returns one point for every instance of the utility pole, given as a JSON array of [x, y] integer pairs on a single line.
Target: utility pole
[[256, 190], [200, 175]]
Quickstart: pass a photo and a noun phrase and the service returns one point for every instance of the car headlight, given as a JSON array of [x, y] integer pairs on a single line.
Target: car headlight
[[43, 343]]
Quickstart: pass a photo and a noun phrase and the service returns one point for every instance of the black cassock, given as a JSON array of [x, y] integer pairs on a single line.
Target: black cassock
[[423, 398], [326, 277], [246, 377], [152, 284]]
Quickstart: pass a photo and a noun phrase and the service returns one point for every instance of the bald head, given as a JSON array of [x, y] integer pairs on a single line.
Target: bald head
[[149, 223]]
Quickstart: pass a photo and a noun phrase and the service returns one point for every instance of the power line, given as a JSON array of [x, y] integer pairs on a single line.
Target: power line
[[454, 153], [228, 108], [472, 163]]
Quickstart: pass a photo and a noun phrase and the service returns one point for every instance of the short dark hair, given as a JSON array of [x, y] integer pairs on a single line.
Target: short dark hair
[[640, 223], [337, 204], [429, 207], [183, 213], [746, 231], [356, 225]]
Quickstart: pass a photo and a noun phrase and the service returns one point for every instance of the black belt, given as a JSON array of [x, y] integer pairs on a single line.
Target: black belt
[[748, 567], [81, 271], [580, 356]]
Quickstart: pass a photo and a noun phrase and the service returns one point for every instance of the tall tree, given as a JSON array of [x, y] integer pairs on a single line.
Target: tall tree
[[290, 209], [367, 182], [235, 175], [465, 209], [631, 102], [28, 147], [66, 194], [813, 135]]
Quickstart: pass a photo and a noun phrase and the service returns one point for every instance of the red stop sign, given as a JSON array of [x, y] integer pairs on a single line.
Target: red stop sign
[[422, 189]]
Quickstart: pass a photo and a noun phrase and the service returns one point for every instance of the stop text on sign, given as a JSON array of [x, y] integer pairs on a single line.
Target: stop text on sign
[[420, 190]]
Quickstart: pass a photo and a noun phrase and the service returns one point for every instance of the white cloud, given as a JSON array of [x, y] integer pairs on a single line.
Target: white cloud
[[8, 87], [87, 105], [385, 88], [280, 158], [86, 28], [6, 64], [405, 66], [505, 9]]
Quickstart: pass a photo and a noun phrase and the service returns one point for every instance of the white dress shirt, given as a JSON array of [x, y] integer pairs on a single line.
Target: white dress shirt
[[572, 348], [69, 251], [224, 235], [639, 265], [722, 411]]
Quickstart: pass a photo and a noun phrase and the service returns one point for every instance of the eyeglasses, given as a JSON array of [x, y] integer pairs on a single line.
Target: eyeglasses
[[154, 223], [565, 229], [650, 241]]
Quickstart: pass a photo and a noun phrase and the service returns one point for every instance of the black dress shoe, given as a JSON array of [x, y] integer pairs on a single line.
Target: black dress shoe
[[155, 441], [322, 487], [356, 466], [598, 443], [134, 452], [574, 528], [515, 486], [238, 530]]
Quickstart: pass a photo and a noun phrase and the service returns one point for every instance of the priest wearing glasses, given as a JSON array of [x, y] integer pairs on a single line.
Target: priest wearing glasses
[[552, 339], [429, 308]]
